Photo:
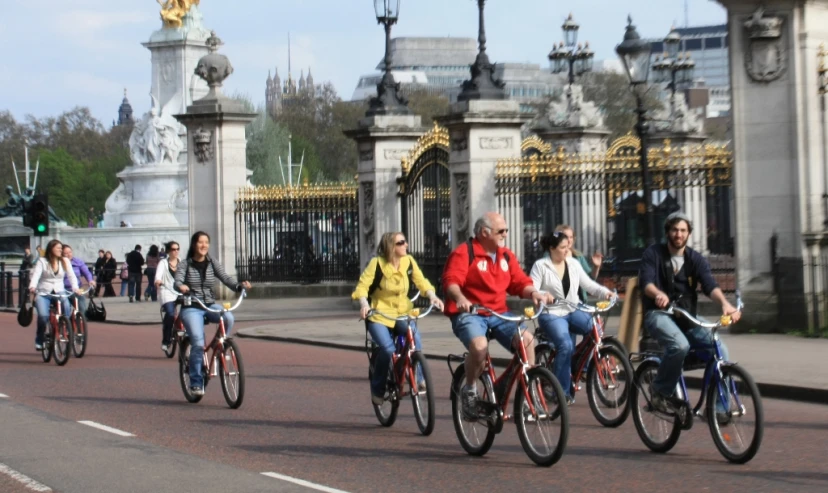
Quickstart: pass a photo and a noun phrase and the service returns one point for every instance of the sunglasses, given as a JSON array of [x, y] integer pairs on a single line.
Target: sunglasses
[[401, 243], [173, 250], [499, 231]]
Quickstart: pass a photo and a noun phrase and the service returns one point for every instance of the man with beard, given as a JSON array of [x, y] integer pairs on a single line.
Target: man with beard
[[671, 273]]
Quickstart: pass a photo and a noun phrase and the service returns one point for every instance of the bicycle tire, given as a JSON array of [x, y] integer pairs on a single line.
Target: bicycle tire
[[63, 341], [640, 400], [184, 372], [387, 411], [609, 359], [46, 350], [424, 422], [170, 352], [80, 335], [549, 403], [472, 438], [233, 388], [723, 438]]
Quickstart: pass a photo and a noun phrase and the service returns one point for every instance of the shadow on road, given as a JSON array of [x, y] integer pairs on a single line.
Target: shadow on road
[[789, 477]]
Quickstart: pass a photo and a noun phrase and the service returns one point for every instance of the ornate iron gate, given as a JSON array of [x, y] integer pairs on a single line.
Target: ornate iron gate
[[425, 191]]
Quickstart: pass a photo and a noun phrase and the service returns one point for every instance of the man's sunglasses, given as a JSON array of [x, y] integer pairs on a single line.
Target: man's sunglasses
[[499, 231]]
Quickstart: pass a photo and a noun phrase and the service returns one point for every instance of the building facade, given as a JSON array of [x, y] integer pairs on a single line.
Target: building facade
[[278, 95]]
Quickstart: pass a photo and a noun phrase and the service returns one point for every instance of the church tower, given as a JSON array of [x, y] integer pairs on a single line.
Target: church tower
[[125, 112]]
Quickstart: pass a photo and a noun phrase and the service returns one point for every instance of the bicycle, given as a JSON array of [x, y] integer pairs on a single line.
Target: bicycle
[[539, 401], [607, 376], [178, 334], [660, 431], [224, 349], [80, 329], [58, 333], [407, 363]]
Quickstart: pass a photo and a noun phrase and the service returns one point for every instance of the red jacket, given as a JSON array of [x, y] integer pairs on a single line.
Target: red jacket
[[484, 282]]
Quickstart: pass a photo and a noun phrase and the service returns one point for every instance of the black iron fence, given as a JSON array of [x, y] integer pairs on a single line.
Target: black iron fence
[[301, 234], [599, 196]]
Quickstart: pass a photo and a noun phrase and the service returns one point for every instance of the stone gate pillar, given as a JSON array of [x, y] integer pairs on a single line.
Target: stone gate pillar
[[216, 148], [779, 148], [382, 142], [481, 132]]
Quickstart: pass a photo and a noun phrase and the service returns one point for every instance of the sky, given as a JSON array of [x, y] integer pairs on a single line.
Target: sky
[[59, 54]]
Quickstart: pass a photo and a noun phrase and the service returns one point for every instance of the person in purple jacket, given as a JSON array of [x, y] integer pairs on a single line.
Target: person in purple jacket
[[81, 272]]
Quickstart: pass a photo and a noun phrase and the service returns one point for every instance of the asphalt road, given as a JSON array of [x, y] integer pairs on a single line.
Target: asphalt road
[[307, 415]]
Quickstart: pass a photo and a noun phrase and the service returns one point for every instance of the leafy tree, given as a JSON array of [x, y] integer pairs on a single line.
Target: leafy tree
[[427, 105], [611, 93]]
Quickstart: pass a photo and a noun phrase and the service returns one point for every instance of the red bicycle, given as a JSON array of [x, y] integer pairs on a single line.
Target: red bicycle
[[540, 410], [609, 374], [224, 356], [178, 333], [407, 364], [58, 334]]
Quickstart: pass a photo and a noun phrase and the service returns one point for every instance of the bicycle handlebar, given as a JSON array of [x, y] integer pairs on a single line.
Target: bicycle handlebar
[[723, 321], [190, 297], [521, 318], [600, 307], [412, 315]]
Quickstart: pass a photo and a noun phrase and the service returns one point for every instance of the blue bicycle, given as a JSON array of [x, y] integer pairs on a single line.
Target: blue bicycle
[[734, 406]]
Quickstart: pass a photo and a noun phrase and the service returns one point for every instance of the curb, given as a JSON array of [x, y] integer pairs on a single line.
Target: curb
[[767, 390]]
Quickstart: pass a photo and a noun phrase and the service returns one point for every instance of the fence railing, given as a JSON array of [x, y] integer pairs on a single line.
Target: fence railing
[[300, 234]]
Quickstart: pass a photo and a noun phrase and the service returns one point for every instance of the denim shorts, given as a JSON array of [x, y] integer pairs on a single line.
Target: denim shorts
[[467, 326]]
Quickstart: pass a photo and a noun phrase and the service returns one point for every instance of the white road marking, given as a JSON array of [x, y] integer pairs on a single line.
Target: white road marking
[[106, 428], [3, 396], [302, 482], [21, 478]]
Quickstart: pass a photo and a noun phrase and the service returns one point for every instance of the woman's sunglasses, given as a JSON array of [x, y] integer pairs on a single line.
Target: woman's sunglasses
[[401, 243]]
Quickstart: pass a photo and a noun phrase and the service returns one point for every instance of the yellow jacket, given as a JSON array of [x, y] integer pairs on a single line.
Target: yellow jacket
[[391, 296]]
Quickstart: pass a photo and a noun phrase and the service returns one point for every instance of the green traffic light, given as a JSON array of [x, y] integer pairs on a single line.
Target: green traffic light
[[41, 228]]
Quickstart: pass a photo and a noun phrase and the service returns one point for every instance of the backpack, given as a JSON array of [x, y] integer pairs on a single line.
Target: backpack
[[378, 278], [124, 272]]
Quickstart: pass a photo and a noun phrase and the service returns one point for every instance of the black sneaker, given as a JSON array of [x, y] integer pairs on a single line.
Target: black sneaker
[[197, 390], [666, 404], [468, 402], [723, 418]]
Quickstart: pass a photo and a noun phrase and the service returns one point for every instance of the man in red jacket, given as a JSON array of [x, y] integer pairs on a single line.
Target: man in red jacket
[[485, 280]]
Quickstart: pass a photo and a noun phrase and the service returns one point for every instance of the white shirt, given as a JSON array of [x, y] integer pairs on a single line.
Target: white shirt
[[545, 278], [162, 273], [45, 280]]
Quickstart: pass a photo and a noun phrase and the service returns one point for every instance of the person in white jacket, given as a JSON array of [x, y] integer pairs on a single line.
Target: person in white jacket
[[47, 278], [164, 279], [562, 276]]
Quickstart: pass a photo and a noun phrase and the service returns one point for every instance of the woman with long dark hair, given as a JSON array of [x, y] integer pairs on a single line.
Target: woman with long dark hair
[[47, 278], [197, 275], [164, 280], [110, 268], [153, 257]]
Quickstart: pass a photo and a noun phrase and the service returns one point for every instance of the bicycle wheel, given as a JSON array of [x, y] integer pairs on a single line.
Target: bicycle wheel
[[608, 387], [80, 335], [63, 341], [544, 428], [476, 437], [659, 432], [737, 427], [184, 372], [232, 374], [46, 351], [387, 411], [170, 352], [423, 400], [544, 356]]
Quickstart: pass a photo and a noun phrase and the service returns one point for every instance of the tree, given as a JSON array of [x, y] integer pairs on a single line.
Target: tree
[[611, 93], [427, 105]]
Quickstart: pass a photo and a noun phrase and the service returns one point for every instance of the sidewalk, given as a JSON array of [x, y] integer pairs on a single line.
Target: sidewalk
[[785, 367]]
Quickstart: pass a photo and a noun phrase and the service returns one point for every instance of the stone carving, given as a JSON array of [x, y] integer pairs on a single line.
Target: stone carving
[[154, 140], [461, 184], [173, 11], [179, 200], [213, 67], [573, 111], [459, 142], [395, 154], [368, 216], [203, 140], [366, 154], [680, 120], [120, 199], [765, 57], [495, 142]]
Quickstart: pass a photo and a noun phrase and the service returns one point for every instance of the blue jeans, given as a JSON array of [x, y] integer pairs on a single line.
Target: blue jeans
[[676, 344], [151, 290], [83, 303], [561, 332], [124, 286], [167, 325], [193, 319], [467, 326], [135, 284], [42, 304], [381, 335]]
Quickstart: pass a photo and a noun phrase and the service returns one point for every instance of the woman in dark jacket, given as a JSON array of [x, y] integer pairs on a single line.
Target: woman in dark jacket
[[108, 274], [196, 275], [152, 265], [99, 266]]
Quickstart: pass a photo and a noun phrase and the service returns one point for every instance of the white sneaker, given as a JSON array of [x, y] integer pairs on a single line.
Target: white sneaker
[[164, 347]]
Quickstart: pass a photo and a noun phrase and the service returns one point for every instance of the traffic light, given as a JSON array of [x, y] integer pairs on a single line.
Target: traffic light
[[39, 214]]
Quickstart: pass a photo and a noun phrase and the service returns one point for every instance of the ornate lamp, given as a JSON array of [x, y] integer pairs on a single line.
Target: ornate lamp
[[483, 84], [388, 100], [634, 53]]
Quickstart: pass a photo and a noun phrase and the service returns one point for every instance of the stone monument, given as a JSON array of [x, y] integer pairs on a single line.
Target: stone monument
[[573, 123], [217, 157]]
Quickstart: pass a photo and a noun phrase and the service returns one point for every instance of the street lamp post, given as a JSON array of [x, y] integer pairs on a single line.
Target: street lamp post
[[635, 56], [388, 100], [576, 58], [674, 67], [483, 84]]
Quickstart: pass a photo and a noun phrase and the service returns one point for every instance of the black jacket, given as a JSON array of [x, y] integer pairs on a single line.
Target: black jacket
[[134, 261]]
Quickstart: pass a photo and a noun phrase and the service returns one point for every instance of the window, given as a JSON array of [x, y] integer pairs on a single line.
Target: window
[[692, 44], [658, 47], [713, 43]]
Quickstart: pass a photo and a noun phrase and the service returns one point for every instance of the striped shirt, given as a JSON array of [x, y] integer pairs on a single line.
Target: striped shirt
[[203, 288]]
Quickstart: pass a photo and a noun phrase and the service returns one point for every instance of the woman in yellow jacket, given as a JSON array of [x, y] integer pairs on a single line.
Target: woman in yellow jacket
[[390, 297]]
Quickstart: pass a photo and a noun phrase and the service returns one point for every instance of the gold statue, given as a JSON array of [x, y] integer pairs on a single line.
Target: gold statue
[[172, 11]]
